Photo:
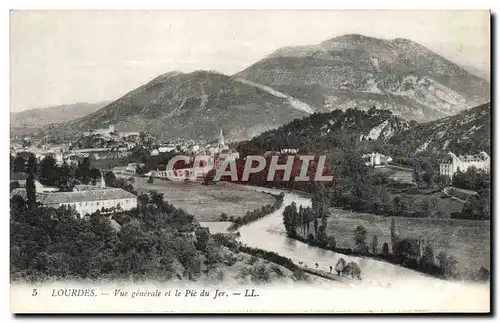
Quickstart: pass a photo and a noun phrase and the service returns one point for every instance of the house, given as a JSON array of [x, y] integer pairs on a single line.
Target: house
[[376, 160], [166, 149], [132, 167], [18, 177], [44, 189], [101, 132], [90, 201], [453, 163]]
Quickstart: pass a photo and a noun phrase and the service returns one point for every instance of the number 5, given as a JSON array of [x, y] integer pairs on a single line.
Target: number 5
[[34, 292]]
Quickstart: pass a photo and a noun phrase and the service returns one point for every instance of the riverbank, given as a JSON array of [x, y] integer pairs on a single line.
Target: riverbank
[[254, 215]]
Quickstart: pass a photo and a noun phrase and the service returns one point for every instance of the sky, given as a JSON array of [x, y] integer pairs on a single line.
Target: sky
[[64, 57]]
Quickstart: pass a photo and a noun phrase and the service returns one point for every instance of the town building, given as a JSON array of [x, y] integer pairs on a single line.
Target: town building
[[86, 199], [128, 134], [453, 163], [376, 160], [223, 152], [167, 149], [18, 177], [132, 167], [101, 132], [90, 201]]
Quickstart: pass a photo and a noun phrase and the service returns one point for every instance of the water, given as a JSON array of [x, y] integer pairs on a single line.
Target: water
[[268, 233]]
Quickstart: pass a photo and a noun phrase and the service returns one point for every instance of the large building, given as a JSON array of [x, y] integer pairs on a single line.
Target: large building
[[376, 160], [453, 163], [101, 132], [91, 201], [86, 199]]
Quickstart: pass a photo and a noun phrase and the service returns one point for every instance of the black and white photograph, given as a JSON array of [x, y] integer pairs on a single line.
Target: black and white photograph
[[250, 161]]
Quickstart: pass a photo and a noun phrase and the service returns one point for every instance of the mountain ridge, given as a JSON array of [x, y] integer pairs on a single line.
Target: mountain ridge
[[344, 72], [394, 70]]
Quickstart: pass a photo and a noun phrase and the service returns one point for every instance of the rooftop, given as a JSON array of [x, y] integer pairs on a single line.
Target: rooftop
[[85, 196]]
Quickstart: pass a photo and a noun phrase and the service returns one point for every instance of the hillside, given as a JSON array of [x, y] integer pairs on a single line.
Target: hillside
[[323, 131], [355, 71], [346, 72], [34, 119], [466, 133], [195, 106]]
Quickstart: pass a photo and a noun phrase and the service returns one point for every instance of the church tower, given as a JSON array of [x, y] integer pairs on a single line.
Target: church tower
[[103, 183], [222, 144]]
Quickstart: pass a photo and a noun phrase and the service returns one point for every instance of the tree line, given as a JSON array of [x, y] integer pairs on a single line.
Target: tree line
[[404, 251], [254, 215]]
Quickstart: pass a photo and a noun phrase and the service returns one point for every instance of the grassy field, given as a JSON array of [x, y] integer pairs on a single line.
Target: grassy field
[[468, 241], [207, 203], [399, 174], [441, 203]]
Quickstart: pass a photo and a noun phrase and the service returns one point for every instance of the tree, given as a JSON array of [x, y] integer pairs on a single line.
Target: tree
[[49, 172], [65, 181], [223, 217], [31, 190], [385, 249], [290, 219], [94, 174], [360, 239], [150, 179], [340, 266], [446, 264], [352, 269], [331, 243], [110, 179], [374, 245], [426, 208], [321, 237], [19, 164], [202, 237], [477, 207], [394, 237], [417, 173], [428, 174], [83, 171], [32, 164], [427, 260], [442, 181], [483, 274], [17, 205]]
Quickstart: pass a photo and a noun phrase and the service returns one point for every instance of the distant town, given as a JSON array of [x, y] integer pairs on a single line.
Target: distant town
[[109, 145]]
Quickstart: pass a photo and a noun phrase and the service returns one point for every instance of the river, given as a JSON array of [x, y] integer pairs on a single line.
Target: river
[[268, 233], [384, 285]]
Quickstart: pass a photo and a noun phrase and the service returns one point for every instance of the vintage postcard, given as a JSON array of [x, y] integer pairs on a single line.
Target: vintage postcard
[[250, 162]]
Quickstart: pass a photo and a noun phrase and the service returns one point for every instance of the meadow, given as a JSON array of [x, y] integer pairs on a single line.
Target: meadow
[[466, 240], [207, 202]]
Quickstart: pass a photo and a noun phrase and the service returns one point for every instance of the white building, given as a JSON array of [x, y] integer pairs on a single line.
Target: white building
[[182, 174], [454, 163], [101, 132], [376, 160], [167, 149], [90, 201], [132, 167]]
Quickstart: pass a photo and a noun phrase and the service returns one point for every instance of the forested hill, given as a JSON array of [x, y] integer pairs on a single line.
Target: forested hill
[[379, 130], [323, 131], [468, 132]]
